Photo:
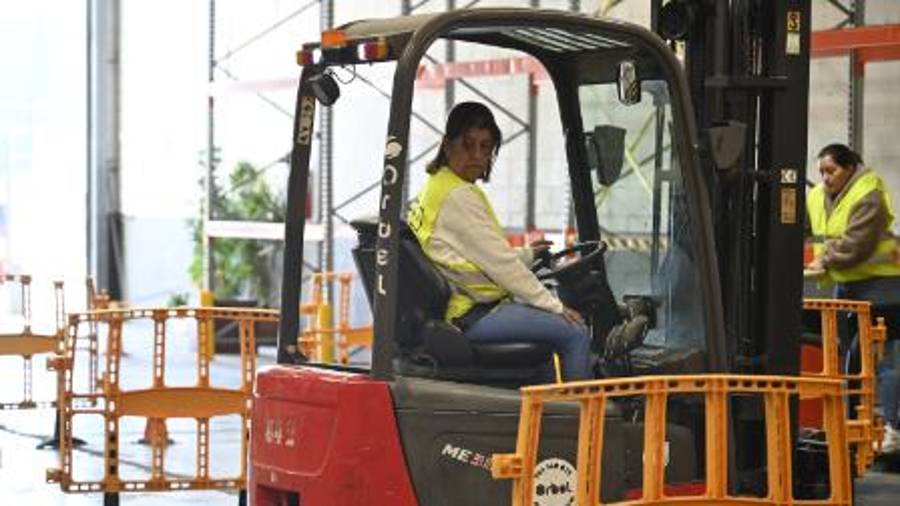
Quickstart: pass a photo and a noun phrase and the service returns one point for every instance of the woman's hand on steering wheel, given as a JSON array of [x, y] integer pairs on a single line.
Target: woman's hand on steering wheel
[[572, 316], [540, 247]]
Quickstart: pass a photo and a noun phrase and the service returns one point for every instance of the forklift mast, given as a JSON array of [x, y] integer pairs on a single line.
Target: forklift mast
[[747, 65]]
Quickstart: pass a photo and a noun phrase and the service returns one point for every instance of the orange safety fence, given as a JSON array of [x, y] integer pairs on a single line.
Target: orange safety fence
[[320, 335], [864, 428], [26, 343], [200, 401], [776, 392], [96, 300]]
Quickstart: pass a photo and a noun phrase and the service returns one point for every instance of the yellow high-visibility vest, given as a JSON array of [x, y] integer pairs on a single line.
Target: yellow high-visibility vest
[[470, 285], [882, 262]]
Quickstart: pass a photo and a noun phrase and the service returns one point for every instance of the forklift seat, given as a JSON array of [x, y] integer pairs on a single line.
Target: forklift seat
[[429, 346]]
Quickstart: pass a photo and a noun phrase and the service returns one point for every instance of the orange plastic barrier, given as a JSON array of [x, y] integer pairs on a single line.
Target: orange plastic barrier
[[865, 429], [592, 396], [317, 340], [26, 343], [201, 401]]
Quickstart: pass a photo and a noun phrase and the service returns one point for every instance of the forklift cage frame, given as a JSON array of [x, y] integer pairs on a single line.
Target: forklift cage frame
[[409, 40]]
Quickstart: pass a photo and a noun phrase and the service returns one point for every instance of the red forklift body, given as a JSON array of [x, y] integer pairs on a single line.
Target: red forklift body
[[307, 449]]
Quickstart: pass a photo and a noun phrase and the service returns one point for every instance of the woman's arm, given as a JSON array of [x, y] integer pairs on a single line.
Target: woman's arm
[[525, 254], [466, 225], [865, 227]]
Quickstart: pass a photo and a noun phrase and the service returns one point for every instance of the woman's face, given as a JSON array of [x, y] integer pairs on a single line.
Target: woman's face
[[469, 155], [834, 176]]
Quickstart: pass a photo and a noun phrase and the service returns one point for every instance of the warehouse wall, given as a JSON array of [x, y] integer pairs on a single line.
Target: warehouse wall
[[163, 132], [829, 98], [42, 145]]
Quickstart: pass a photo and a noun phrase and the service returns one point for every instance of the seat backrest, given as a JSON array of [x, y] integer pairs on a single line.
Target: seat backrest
[[423, 291]]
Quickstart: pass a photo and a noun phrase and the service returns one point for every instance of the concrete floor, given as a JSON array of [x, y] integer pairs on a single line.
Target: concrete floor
[[22, 467], [880, 487]]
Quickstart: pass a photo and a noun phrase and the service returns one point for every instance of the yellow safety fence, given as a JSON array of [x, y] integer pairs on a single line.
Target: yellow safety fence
[[320, 336], [592, 396], [200, 401], [26, 343], [864, 429]]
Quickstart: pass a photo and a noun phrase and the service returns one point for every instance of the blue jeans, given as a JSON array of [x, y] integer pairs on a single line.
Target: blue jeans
[[516, 323], [878, 291]]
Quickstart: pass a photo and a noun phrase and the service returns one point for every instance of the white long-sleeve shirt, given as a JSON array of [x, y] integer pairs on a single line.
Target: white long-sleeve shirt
[[465, 231]]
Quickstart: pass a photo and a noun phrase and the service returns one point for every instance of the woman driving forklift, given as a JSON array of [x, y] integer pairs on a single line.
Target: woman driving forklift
[[496, 298]]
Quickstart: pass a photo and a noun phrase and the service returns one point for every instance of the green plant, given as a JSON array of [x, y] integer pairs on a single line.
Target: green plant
[[177, 299], [242, 268]]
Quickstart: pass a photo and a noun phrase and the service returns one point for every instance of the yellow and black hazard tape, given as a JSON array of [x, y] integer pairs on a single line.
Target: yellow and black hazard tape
[[641, 243]]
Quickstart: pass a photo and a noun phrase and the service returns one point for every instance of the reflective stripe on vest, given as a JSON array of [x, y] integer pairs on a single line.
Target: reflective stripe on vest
[[470, 285], [824, 227]]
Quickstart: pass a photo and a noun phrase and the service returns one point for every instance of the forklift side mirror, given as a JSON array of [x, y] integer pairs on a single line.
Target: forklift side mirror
[[727, 143], [325, 88], [628, 85], [676, 19], [606, 152]]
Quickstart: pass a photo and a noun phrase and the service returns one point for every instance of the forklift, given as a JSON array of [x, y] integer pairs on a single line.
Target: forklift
[[720, 284]]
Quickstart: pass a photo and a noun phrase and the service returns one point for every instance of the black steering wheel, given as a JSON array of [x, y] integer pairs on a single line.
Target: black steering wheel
[[547, 265]]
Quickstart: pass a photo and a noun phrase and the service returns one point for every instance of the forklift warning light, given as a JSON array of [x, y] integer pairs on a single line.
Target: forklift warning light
[[367, 51], [305, 57], [334, 39], [373, 50]]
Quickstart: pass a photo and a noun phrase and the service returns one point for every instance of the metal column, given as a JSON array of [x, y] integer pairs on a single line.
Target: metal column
[[326, 173], [531, 174], [574, 6], [89, 206], [104, 213], [406, 9], [449, 57], [855, 112], [206, 278], [782, 156]]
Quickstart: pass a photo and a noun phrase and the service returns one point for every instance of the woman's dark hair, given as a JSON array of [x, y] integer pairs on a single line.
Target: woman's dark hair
[[465, 116], [842, 155]]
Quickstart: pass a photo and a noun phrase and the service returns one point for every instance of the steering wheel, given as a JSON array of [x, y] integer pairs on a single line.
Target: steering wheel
[[588, 251]]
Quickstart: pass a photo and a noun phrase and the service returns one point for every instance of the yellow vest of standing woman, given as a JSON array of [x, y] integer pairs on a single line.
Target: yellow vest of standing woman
[[470, 285], [833, 226]]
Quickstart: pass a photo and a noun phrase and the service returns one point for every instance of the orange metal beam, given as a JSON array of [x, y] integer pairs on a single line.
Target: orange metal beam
[[435, 75], [872, 43]]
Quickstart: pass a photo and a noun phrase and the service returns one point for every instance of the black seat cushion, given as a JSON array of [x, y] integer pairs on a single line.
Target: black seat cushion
[[449, 347], [422, 334], [512, 354]]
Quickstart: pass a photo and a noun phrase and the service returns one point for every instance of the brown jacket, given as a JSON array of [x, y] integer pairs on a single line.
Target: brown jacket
[[868, 220]]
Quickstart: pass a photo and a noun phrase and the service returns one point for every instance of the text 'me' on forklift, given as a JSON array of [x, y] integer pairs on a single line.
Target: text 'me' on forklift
[[720, 283]]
